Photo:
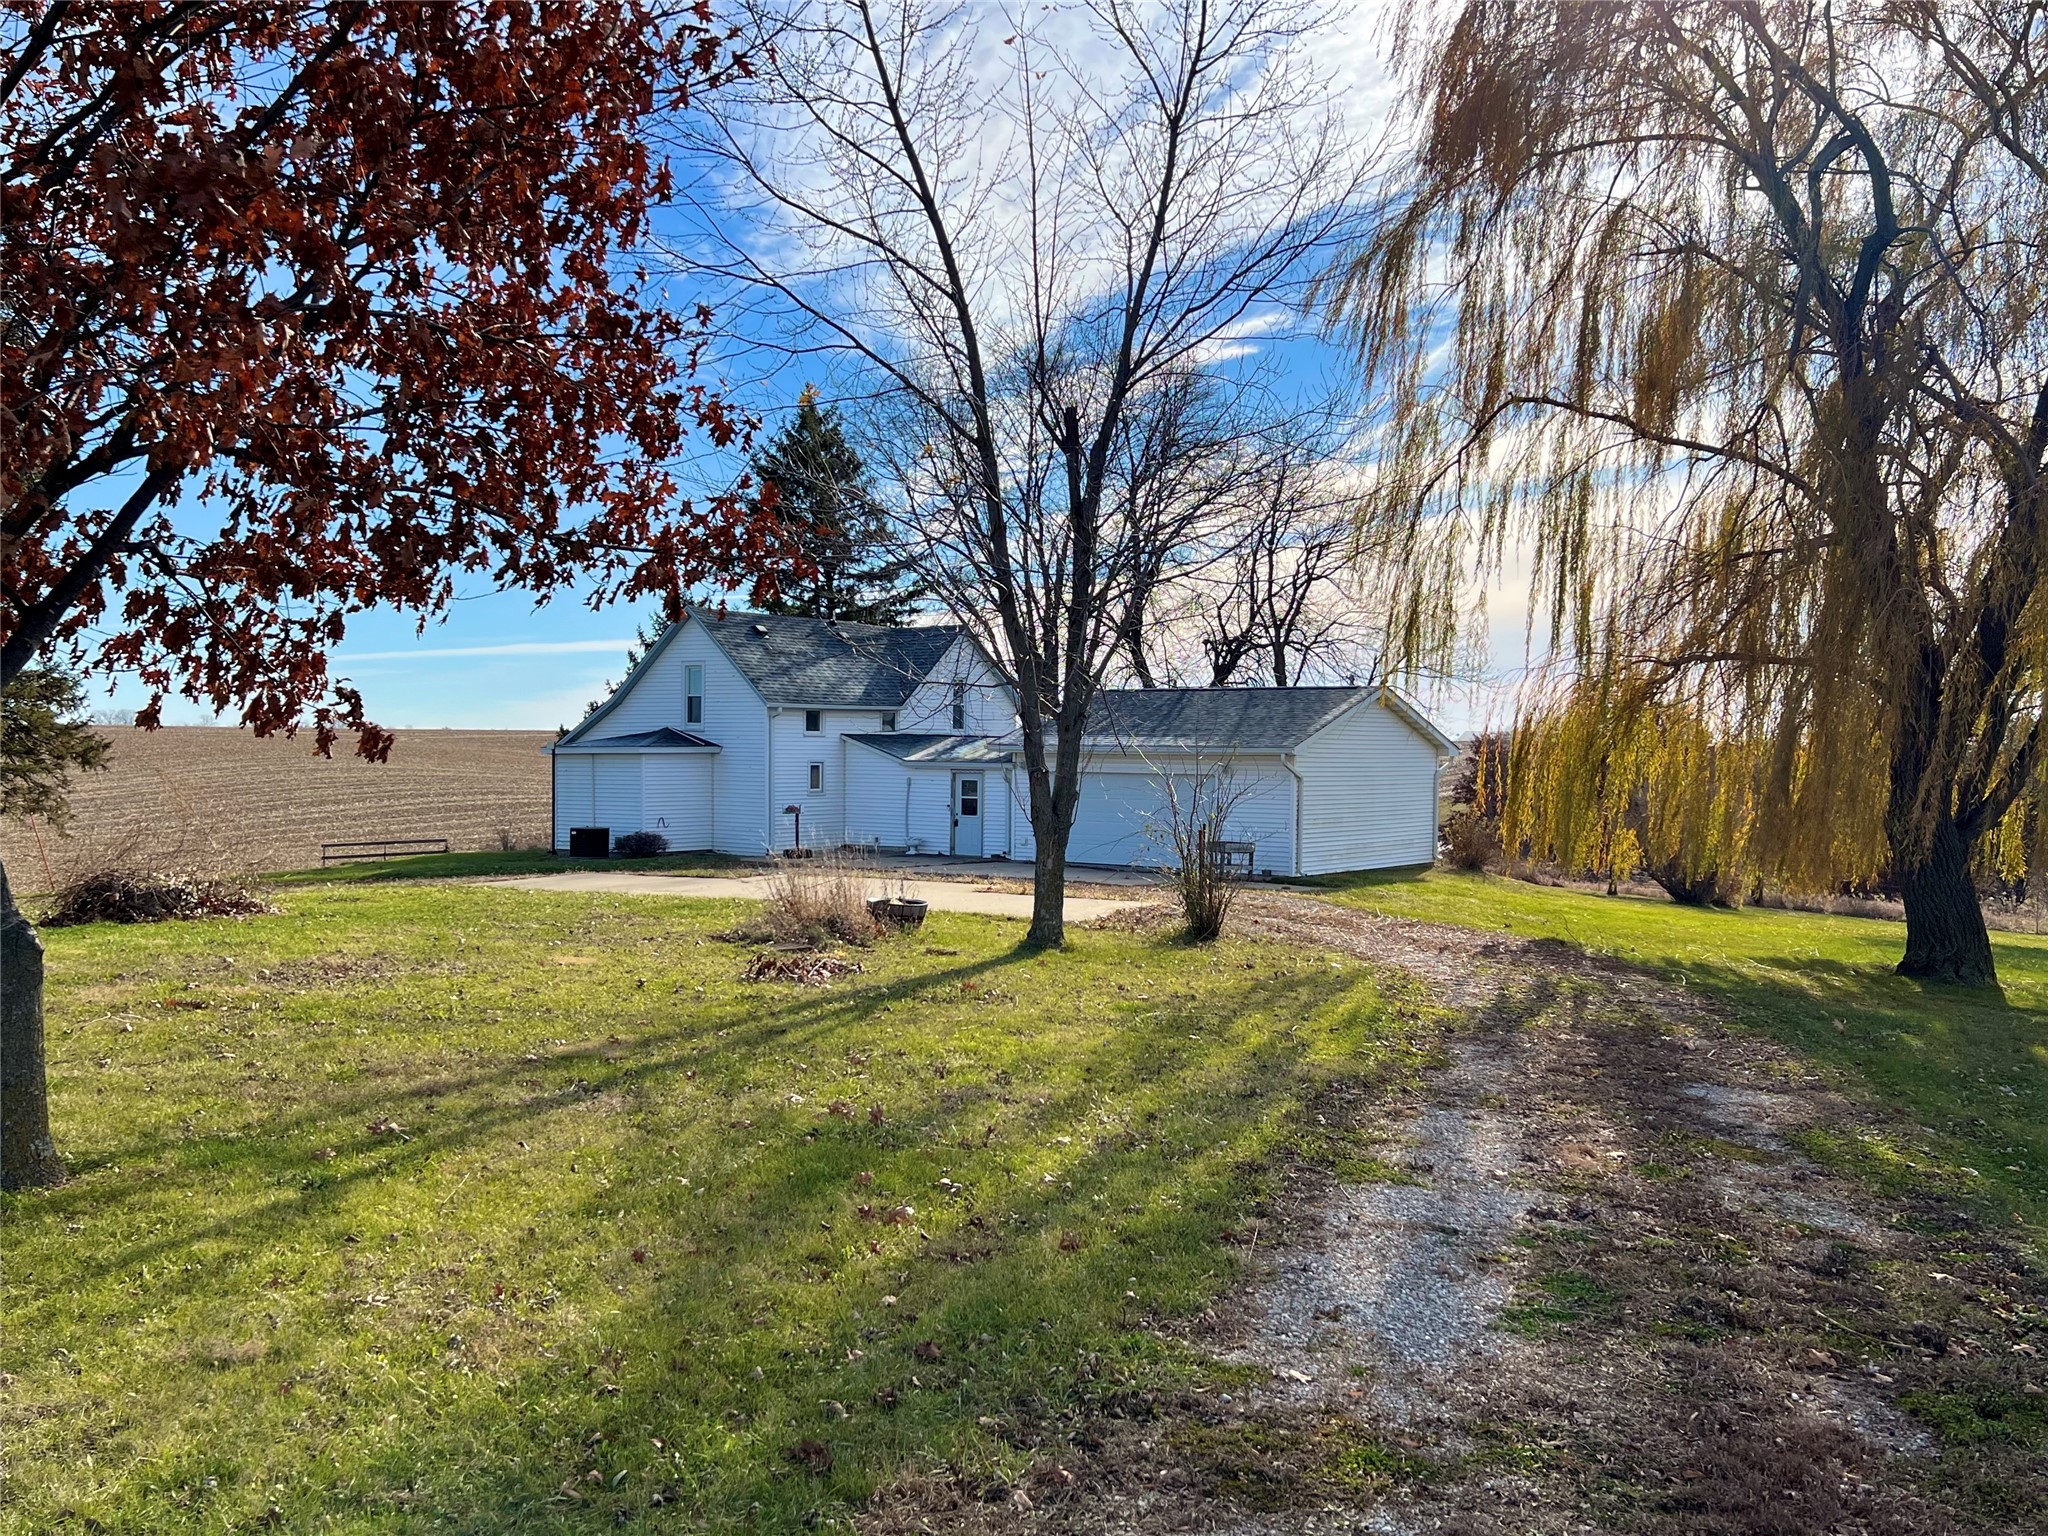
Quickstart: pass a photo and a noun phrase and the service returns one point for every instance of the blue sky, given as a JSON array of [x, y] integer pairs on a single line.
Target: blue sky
[[497, 661]]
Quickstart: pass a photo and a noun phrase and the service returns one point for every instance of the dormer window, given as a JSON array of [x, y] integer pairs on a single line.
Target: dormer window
[[959, 706], [693, 695], [814, 722], [889, 721]]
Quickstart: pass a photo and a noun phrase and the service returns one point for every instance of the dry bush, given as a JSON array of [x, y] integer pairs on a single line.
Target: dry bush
[[1470, 840], [1199, 805], [130, 895], [813, 901]]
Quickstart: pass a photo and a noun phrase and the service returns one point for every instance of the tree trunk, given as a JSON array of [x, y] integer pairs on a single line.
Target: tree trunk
[[1946, 940], [1049, 894], [28, 1157]]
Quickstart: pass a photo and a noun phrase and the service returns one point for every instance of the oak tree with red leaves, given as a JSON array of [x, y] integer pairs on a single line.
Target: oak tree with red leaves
[[307, 309]]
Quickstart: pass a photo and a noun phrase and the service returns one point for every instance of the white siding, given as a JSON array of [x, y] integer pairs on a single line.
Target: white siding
[[877, 799], [990, 709], [678, 798], [651, 698], [1368, 798], [575, 795], [1023, 840], [618, 792], [931, 809], [793, 752], [735, 718], [1126, 814]]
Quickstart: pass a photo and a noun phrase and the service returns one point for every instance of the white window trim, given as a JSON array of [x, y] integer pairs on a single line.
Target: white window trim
[[817, 779], [819, 728]]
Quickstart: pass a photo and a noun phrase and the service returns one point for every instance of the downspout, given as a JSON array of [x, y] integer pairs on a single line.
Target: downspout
[[909, 778], [1287, 762], [554, 781], [768, 790]]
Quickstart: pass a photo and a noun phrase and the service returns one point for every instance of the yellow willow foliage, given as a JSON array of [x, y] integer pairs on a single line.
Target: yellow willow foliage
[[1725, 325], [1610, 783]]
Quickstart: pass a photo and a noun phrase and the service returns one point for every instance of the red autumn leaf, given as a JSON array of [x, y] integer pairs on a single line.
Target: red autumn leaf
[[314, 309]]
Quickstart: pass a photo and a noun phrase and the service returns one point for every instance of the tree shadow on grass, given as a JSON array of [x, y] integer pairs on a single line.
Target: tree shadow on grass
[[512, 1366]]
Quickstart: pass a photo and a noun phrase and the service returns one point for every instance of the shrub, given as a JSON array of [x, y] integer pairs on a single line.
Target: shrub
[[639, 845], [1470, 840], [151, 896], [1199, 806], [814, 901]]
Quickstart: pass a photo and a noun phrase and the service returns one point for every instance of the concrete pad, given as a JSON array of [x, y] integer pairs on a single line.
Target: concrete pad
[[941, 895]]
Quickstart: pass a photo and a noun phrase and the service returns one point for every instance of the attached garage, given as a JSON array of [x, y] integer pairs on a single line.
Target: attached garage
[[1316, 780], [1123, 818]]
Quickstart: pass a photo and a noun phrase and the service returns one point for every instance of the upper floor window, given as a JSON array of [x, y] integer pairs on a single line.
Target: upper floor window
[[889, 721], [814, 721], [693, 695], [959, 706]]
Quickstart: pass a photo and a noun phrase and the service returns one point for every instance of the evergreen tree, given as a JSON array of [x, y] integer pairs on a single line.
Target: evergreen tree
[[822, 497], [43, 741]]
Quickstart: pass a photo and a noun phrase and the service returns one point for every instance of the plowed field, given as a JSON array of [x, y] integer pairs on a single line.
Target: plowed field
[[224, 798]]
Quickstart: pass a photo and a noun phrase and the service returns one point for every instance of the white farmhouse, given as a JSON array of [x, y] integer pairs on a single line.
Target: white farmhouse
[[743, 732]]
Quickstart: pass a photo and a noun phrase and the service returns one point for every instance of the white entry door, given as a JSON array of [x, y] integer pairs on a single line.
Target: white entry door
[[967, 815]]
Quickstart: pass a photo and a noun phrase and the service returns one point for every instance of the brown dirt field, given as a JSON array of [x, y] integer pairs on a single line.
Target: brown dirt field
[[224, 798]]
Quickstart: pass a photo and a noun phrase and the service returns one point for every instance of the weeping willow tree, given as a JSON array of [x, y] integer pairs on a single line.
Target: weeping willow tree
[[1728, 319]]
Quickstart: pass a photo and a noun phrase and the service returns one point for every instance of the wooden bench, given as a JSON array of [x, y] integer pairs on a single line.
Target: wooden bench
[[380, 848], [1231, 860]]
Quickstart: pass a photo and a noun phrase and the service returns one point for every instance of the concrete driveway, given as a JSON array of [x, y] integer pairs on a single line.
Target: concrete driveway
[[983, 896]]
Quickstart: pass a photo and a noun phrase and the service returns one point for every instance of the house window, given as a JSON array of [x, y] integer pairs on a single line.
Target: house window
[[817, 777], [959, 706], [814, 721], [889, 721], [693, 695]]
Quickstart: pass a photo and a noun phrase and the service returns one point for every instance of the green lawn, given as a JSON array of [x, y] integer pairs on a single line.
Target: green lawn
[[1968, 1068], [453, 1208], [522, 861]]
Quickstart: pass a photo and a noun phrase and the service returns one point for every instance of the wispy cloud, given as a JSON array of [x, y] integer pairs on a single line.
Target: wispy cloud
[[510, 648]]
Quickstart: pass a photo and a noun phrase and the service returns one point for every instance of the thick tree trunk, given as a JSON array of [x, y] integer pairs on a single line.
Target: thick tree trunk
[[1946, 940], [28, 1157]]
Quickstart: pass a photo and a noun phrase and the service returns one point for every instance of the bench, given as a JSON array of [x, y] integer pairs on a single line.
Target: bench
[[1231, 860], [380, 848]]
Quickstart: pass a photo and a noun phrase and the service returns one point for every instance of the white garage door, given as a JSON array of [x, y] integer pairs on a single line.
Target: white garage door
[[1122, 819]]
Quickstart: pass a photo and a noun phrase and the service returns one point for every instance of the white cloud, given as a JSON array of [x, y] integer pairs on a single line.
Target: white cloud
[[510, 648]]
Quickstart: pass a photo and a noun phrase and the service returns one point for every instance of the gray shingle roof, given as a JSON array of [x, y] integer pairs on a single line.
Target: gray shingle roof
[[1248, 719], [661, 736], [797, 660], [923, 747]]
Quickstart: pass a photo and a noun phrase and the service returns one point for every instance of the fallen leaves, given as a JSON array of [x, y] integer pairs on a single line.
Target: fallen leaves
[[809, 969], [814, 1456]]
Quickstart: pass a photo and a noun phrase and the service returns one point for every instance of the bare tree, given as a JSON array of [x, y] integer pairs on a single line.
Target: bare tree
[[1282, 598], [1019, 248]]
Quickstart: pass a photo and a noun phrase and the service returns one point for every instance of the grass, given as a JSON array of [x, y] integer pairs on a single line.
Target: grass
[[418, 1207], [519, 861], [1555, 1302], [1968, 1068]]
